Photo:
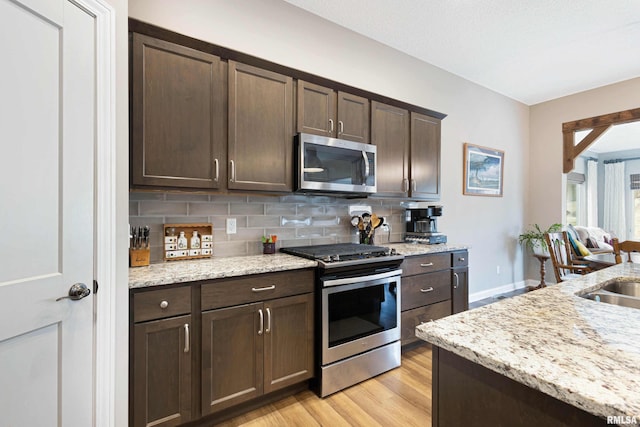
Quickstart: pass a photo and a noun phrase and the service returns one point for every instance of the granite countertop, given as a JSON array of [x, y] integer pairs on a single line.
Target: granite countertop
[[579, 351], [214, 268], [409, 249]]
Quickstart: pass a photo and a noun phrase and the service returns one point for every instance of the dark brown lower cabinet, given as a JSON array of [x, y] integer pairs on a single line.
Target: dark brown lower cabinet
[[162, 372], [465, 393], [254, 349]]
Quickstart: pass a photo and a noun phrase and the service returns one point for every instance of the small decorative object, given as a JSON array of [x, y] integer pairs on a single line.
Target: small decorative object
[[483, 171], [269, 244], [533, 238], [182, 241], [195, 241]]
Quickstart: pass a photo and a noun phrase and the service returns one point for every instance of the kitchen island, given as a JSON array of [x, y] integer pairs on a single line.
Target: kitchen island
[[549, 357]]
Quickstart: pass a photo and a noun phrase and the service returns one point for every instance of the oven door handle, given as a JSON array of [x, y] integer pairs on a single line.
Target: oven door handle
[[359, 279]]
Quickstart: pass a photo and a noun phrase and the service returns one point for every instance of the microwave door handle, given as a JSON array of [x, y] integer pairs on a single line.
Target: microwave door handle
[[366, 166]]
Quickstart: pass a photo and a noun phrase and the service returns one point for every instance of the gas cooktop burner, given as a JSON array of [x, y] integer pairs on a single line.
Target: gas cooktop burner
[[343, 254]]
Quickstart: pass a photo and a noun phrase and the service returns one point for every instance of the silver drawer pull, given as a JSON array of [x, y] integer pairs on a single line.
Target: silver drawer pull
[[187, 340], [427, 265], [429, 289], [266, 288], [461, 259], [164, 304]]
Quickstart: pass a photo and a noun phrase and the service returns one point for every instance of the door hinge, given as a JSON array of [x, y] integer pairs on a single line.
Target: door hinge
[[95, 286]]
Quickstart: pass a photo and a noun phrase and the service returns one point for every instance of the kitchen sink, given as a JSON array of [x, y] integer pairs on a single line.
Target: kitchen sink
[[623, 287], [620, 291]]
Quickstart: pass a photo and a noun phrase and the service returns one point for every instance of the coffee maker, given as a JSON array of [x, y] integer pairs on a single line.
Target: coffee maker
[[422, 225]]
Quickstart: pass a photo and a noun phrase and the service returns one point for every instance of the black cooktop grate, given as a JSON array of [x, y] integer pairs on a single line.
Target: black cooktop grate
[[340, 249]]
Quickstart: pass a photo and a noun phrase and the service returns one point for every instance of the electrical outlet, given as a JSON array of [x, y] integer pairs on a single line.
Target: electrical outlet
[[231, 226]]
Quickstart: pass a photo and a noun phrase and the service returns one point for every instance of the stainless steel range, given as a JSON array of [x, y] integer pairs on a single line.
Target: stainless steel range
[[358, 312]]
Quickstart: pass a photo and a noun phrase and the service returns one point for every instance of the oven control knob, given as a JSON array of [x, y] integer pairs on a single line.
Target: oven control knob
[[393, 252]]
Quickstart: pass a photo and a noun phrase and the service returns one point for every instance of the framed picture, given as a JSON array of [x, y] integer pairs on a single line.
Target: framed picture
[[483, 171]]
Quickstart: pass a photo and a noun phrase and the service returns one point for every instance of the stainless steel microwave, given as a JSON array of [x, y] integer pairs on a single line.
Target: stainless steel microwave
[[330, 165]]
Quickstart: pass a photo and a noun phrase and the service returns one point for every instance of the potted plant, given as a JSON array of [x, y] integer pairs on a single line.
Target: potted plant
[[533, 238]]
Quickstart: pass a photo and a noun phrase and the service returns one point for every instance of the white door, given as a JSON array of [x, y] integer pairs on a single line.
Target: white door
[[47, 115]]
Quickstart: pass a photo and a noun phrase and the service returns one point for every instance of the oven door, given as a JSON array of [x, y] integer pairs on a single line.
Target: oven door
[[359, 314]]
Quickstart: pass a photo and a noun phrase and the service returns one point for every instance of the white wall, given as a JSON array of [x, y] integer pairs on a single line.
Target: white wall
[[546, 199], [121, 403], [281, 33]]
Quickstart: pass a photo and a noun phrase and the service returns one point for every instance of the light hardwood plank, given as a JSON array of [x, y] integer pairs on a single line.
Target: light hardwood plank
[[401, 397]]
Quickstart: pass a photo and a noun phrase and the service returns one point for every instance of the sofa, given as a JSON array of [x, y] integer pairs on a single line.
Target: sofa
[[594, 238]]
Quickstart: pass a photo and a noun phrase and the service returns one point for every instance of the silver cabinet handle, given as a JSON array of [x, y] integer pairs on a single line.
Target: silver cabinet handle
[[261, 321], [413, 185], [331, 125], [457, 283], [187, 340], [340, 126], [217, 168], [164, 304], [232, 165], [266, 288], [405, 185], [426, 265], [429, 289], [76, 291], [461, 259], [266, 331]]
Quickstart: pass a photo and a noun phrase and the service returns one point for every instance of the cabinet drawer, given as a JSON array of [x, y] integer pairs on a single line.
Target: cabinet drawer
[[426, 263], [412, 318], [161, 303], [425, 289], [460, 259], [243, 290]]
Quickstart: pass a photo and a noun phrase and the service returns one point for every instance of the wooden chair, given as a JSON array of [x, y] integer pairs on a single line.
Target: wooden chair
[[627, 246], [560, 252]]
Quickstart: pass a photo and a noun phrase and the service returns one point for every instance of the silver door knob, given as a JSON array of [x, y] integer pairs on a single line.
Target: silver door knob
[[76, 292]]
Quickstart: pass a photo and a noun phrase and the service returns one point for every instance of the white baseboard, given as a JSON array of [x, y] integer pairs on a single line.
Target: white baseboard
[[510, 287]]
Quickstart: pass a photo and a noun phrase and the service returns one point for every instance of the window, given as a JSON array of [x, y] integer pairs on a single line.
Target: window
[[635, 196], [574, 212]]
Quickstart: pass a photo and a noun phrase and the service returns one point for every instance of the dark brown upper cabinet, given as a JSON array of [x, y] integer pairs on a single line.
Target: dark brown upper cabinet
[[178, 113], [425, 157], [260, 129], [390, 134], [408, 152], [324, 111]]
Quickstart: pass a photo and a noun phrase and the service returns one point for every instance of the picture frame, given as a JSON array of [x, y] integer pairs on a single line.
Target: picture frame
[[483, 171]]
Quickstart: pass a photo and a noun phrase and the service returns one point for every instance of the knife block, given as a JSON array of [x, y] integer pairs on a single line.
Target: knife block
[[139, 257]]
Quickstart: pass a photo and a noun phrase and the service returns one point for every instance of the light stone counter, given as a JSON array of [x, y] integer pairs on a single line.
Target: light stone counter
[[409, 249], [215, 268], [579, 351]]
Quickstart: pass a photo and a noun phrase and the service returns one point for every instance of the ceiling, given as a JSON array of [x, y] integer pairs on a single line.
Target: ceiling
[[529, 50]]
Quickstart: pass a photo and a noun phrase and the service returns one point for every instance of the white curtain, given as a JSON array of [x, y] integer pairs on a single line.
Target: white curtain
[[614, 209], [592, 193]]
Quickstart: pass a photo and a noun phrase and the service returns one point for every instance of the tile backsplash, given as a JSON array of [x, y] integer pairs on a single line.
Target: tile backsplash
[[295, 219]]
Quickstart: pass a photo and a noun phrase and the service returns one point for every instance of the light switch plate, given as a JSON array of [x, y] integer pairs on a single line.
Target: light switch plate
[[231, 226]]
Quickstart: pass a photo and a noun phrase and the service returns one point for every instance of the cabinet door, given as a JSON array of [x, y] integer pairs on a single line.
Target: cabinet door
[[425, 157], [162, 372], [178, 117], [260, 129], [353, 118], [390, 134], [232, 354], [460, 294], [288, 355], [316, 109]]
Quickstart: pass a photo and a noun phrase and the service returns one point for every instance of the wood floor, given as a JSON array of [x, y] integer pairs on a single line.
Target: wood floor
[[401, 397]]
